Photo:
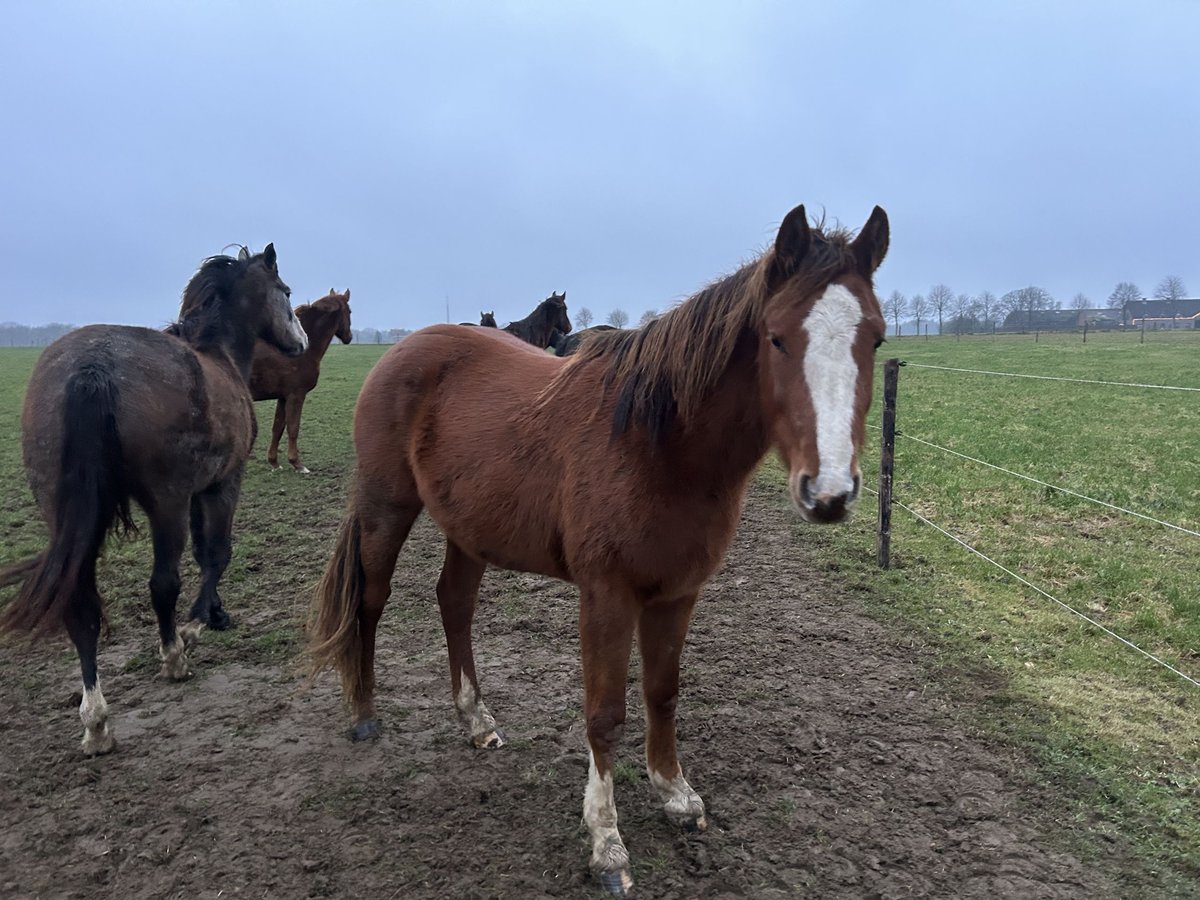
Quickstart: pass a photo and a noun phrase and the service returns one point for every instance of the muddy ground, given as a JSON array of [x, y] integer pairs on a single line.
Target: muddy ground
[[829, 763]]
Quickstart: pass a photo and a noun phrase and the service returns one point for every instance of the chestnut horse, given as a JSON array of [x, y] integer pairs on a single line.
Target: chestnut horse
[[115, 413], [276, 376], [621, 469], [537, 327]]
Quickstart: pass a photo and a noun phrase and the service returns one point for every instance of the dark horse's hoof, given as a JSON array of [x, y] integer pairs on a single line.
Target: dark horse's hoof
[[366, 730], [216, 619]]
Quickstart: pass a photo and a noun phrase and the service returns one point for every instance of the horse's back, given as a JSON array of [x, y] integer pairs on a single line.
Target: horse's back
[[175, 408]]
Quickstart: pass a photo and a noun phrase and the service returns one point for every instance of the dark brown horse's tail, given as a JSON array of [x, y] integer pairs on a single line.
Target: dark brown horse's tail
[[90, 497], [335, 641]]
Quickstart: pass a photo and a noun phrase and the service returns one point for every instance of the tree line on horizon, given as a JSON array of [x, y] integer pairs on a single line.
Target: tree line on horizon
[[963, 312]]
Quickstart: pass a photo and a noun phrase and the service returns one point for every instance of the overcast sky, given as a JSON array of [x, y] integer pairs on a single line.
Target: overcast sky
[[627, 153]]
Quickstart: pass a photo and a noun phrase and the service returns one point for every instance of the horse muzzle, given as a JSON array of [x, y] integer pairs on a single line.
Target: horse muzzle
[[823, 507]]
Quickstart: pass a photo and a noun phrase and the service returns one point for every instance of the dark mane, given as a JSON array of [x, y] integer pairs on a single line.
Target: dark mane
[[201, 322], [664, 370]]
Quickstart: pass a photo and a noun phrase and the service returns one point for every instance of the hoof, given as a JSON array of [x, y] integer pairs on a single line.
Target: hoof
[[366, 730], [616, 881], [191, 633], [303, 470], [696, 826], [489, 740], [98, 744], [176, 669], [216, 619]]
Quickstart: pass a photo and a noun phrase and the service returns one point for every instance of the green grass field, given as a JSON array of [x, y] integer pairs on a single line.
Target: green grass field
[[1118, 734], [1093, 713]]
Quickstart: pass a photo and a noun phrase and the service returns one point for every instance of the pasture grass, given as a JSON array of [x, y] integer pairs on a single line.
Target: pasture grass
[[1120, 731], [1118, 734]]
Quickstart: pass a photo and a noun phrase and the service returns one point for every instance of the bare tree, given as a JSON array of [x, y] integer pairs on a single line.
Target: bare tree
[[618, 318], [1028, 300], [961, 307], [647, 317], [1080, 301], [940, 298], [918, 308], [894, 306], [1124, 292], [1170, 288], [583, 317], [987, 306]]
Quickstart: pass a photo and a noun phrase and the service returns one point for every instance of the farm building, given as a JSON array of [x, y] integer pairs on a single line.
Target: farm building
[[1162, 314], [1060, 319]]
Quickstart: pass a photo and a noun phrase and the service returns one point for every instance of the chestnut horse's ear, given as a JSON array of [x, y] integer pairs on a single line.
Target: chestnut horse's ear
[[243, 254], [790, 245], [871, 245], [347, 295], [269, 257]]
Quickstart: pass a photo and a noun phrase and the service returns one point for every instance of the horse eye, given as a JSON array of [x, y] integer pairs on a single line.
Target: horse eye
[[776, 342]]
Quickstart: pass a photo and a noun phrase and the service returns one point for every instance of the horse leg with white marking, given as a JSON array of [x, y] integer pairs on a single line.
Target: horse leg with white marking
[[662, 630], [458, 593], [294, 408], [83, 625], [606, 625], [168, 518]]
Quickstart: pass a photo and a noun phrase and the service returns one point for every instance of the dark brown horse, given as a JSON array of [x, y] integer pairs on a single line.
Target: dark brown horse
[[567, 344], [288, 379], [488, 319], [621, 469], [537, 327], [114, 414]]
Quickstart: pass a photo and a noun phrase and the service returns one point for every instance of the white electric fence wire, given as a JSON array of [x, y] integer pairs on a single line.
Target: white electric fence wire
[[1159, 387], [1029, 584]]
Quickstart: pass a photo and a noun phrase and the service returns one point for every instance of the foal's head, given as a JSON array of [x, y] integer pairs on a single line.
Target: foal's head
[[266, 301], [555, 307], [487, 319], [821, 326], [343, 331]]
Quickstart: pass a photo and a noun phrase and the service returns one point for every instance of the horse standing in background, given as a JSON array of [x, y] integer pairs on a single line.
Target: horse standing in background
[[115, 413], [567, 344], [537, 327], [288, 379], [621, 469], [488, 319]]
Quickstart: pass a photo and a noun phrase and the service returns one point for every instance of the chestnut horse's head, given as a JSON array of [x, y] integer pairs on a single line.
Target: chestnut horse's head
[[821, 326], [343, 332]]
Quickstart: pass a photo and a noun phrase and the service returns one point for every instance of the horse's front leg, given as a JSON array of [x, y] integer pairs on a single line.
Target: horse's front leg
[[606, 625], [294, 408], [457, 593], [662, 629], [277, 427]]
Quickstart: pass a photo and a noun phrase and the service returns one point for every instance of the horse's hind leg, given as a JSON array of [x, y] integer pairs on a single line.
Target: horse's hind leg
[[83, 625], [294, 408], [168, 526], [277, 432], [385, 528], [662, 629], [212, 546], [457, 593]]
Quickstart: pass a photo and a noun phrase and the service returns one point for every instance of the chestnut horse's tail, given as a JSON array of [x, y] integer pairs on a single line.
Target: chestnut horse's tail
[[335, 641], [91, 495]]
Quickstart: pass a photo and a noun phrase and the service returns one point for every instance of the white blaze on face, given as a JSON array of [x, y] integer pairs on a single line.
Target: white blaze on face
[[832, 376]]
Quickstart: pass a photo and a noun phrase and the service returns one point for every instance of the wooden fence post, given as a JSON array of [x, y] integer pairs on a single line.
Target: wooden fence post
[[887, 461]]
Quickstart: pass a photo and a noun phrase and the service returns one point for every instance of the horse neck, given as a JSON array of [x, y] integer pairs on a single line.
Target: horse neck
[[319, 327], [728, 437]]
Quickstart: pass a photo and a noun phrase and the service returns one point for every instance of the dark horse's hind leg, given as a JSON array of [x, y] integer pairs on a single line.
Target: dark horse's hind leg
[[457, 592], [83, 625], [212, 545], [384, 531], [168, 525]]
